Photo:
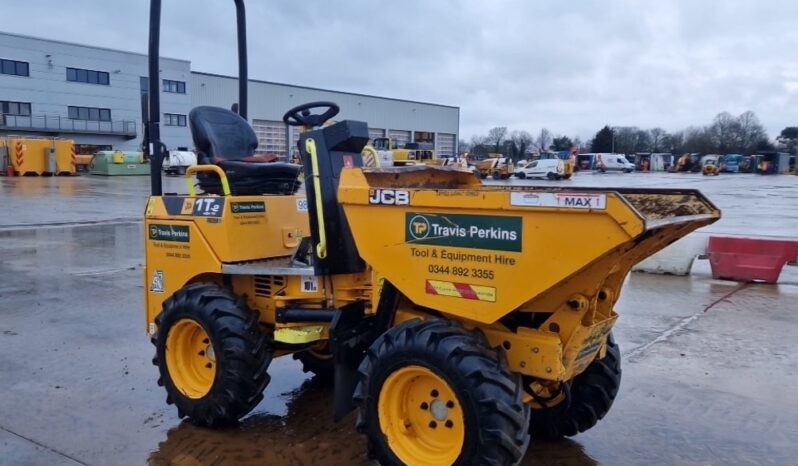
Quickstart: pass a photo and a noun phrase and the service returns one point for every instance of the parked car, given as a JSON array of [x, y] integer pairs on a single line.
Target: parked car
[[177, 161], [616, 162], [553, 169]]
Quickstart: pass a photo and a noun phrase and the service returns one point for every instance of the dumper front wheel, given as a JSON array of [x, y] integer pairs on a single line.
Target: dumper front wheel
[[431, 392], [211, 354], [591, 395]]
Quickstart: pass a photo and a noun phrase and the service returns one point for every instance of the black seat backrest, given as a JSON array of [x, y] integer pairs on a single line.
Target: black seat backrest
[[337, 146], [220, 134]]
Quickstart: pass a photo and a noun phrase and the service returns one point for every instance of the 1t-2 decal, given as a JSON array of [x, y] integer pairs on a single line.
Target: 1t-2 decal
[[208, 207]]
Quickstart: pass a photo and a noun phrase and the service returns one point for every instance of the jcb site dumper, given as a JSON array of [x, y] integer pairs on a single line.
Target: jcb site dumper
[[460, 319]]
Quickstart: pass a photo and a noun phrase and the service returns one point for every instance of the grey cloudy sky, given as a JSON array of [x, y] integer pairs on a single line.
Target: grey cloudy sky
[[569, 66]]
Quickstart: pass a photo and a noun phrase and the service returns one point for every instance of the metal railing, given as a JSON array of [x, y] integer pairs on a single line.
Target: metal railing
[[59, 124]]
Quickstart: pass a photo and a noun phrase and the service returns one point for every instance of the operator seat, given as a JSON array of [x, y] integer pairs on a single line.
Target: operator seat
[[223, 138]]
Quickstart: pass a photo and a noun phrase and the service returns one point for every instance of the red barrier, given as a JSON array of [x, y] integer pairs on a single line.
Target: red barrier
[[750, 259]]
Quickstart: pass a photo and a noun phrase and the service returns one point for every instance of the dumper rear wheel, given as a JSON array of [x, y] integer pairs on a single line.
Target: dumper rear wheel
[[431, 392], [211, 354], [591, 395]]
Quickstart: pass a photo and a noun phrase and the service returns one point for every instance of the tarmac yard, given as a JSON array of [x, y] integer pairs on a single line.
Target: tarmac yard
[[710, 366]]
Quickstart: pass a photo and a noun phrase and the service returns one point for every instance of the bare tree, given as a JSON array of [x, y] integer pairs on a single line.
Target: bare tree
[[751, 133], [698, 139], [626, 139], [723, 133], [674, 142], [520, 142], [496, 137], [463, 146], [543, 140], [479, 147], [657, 136]]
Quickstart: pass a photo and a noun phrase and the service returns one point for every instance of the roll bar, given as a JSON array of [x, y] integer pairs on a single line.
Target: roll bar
[[156, 148]]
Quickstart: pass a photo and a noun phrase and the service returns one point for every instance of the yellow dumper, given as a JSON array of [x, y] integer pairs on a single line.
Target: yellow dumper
[[461, 320]]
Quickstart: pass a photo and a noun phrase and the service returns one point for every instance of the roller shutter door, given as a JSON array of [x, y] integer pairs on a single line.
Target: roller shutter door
[[375, 133], [445, 145], [271, 137], [401, 137]]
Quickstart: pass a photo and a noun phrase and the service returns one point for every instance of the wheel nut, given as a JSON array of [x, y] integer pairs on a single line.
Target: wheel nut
[[424, 406], [209, 365], [433, 424], [449, 424], [434, 393], [450, 404]]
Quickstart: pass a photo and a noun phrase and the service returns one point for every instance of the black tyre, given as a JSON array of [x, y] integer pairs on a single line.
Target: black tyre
[[497, 176], [211, 354], [591, 395], [431, 392], [521, 175], [483, 175], [318, 360], [551, 176]]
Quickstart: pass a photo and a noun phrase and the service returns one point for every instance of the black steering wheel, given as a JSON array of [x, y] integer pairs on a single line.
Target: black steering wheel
[[301, 116]]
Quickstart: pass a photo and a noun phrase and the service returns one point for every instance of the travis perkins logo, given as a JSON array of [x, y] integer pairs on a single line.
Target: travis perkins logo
[[465, 231], [176, 233]]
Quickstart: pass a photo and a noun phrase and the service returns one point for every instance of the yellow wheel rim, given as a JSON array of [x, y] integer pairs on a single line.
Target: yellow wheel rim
[[421, 417], [190, 358]]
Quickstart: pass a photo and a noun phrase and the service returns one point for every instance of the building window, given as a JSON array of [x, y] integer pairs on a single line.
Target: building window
[[178, 87], [80, 75], [89, 113], [173, 119], [13, 67], [14, 108]]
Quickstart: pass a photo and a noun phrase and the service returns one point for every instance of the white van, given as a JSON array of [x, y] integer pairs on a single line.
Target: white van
[[553, 169], [176, 161], [613, 162]]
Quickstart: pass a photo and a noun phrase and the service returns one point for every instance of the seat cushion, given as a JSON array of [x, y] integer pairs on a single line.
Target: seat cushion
[[250, 178]]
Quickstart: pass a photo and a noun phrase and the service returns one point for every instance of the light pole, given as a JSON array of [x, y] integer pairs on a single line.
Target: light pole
[[613, 139]]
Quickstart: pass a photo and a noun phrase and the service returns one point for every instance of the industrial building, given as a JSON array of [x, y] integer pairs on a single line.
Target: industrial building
[[93, 95]]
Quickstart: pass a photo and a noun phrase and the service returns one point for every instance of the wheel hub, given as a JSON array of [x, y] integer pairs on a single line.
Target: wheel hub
[[421, 417], [190, 358], [439, 410]]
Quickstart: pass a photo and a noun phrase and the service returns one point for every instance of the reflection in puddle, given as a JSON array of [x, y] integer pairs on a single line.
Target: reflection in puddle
[[306, 435]]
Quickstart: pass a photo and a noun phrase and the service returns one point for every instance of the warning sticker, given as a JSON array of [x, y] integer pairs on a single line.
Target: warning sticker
[[156, 286], [461, 290], [310, 284], [561, 200]]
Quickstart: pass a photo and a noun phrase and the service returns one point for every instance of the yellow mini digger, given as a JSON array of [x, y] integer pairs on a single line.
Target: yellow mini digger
[[460, 319]]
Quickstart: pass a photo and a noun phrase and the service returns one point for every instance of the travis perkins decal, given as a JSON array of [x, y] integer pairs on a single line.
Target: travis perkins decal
[[466, 231]]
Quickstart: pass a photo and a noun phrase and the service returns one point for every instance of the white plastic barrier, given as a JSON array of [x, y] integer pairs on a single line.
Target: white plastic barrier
[[676, 259]]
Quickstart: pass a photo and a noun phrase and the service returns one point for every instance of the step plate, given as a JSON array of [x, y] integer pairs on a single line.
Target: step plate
[[281, 266]]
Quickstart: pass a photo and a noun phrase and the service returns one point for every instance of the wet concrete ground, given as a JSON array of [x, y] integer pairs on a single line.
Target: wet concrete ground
[[710, 367]]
